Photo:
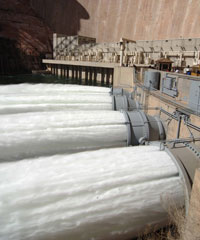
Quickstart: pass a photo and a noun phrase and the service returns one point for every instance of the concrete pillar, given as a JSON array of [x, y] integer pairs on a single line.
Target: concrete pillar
[[107, 76], [70, 71], [59, 70], [86, 74], [83, 74], [73, 70], [112, 73], [98, 74], [55, 69], [90, 74], [123, 77], [95, 75], [63, 71], [76, 72], [66, 71], [102, 76], [121, 57], [80, 73], [180, 59], [54, 45], [52, 69], [122, 47]]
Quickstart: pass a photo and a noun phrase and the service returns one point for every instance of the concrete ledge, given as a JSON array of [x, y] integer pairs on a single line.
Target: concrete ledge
[[80, 63]]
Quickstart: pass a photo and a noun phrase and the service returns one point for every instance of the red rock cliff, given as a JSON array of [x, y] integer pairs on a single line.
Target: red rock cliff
[[23, 37]]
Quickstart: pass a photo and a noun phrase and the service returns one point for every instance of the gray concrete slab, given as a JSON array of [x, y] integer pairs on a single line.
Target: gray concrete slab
[[81, 63]]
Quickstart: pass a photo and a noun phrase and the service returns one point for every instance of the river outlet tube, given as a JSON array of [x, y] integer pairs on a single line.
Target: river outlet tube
[[30, 135], [23, 98], [105, 194]]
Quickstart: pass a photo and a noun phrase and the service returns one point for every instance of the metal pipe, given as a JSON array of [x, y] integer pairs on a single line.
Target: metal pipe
[[192, 126], [178, 128], [177, 119], [180, 140], [169, 114]]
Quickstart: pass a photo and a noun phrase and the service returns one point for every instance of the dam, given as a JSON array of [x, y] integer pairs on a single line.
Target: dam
[[100, 135]]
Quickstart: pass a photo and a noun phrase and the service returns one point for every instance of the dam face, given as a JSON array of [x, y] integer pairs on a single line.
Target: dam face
[[108, 20]]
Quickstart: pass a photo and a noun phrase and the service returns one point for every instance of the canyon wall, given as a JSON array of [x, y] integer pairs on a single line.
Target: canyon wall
[[24, 37]]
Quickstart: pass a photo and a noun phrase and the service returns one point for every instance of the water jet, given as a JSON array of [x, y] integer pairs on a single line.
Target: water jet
[[105, 194]]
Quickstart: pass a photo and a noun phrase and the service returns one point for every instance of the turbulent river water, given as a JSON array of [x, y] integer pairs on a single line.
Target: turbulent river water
[[49, 193]]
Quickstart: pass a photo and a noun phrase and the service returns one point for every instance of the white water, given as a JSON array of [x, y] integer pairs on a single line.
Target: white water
[[52, 97], [50, 88], [45, 133], [105, 194]]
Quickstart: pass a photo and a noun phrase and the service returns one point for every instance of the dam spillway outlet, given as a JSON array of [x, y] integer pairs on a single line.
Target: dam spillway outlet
[[28, 135], [28, 88], [24, 98], [104, 194]]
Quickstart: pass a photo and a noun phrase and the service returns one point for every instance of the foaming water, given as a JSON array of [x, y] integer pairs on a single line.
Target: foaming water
[[105, 194], [93, 195], [21, 98], [50, 88], [46, 133]]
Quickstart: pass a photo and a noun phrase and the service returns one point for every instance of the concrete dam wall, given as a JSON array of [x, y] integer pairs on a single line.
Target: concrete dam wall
[[108, 20], [26, 27]]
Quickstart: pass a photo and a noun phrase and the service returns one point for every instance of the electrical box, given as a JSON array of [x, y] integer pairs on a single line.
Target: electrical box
[[169, 85], [194, 96], [152, 80]]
